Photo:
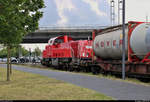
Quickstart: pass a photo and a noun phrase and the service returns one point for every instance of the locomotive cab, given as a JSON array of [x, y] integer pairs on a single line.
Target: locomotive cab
[[58, 40]]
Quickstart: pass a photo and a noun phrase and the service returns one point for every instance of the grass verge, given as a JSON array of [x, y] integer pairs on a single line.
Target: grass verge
[[112, 77], [27, 86]]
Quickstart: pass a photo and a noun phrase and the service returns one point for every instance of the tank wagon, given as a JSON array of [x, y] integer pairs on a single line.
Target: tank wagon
[[64, 53], [107, 47]]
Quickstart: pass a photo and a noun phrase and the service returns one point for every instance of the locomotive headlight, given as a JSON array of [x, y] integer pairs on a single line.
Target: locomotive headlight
[[83, 54], [87, 54]]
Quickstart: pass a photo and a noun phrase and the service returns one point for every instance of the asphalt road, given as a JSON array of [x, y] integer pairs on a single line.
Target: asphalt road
[[114, 88]]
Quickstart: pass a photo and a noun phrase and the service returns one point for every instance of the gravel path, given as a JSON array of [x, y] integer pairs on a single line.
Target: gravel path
[[116, 89]]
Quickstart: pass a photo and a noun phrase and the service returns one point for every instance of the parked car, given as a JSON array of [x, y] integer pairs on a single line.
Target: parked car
[[36, 60], [4, 59], [0, 59], [14, 60]]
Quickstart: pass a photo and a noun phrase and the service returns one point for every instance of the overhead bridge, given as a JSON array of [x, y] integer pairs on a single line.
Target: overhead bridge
[[45, 33]]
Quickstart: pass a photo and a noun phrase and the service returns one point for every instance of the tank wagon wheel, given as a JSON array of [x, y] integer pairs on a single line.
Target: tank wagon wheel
[[89, 69], [83, 69], [110, 73], [70, 69], [105, 73], [78, 69]]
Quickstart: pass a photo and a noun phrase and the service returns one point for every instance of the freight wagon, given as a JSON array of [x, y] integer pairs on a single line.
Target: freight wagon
[[107, 46]]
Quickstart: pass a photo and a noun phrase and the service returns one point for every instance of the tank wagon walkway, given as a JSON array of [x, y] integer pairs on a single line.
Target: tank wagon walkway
[[116, 89]]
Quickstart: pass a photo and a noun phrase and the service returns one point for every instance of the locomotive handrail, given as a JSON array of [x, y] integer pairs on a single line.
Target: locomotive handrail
[[72, 52]]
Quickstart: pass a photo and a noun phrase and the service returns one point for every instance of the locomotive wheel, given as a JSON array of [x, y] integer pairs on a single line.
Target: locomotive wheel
[[77, 69], [70, 69], [66, 67]]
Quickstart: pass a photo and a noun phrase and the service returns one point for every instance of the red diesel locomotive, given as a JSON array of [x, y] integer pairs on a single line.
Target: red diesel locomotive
[[65, 53]]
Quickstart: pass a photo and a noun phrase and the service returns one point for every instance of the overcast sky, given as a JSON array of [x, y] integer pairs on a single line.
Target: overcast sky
[[88, 12]]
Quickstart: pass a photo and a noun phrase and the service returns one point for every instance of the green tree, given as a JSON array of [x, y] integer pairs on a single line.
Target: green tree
[[24, 52], [3, 53], [37, 51], [18, 18]]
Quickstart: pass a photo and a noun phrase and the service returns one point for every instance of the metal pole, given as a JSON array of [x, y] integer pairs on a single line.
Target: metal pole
[[146, 18], [118, 12], [123, 46], [29, 54]]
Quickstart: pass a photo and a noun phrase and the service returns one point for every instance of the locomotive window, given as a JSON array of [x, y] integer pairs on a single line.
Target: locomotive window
[[59, 40]]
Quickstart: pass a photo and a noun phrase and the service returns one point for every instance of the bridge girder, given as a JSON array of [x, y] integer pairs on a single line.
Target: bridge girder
[[42, 36]]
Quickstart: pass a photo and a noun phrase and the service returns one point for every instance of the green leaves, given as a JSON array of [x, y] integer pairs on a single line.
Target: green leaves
[[18, 18], [14, 52]]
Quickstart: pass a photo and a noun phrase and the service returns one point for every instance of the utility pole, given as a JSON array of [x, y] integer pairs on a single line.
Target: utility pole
[[146, 17], [123, 46], [29, 54], [20, 53], [119, 11], [112, 12]]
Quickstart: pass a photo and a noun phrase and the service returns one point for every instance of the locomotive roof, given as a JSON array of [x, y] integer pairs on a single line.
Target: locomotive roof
[[51, 40], [60, 37]]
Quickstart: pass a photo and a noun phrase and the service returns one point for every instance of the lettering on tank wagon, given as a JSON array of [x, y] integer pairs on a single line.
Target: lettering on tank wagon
[[114, 42], [102, 43], [107, 43], [97, 45]]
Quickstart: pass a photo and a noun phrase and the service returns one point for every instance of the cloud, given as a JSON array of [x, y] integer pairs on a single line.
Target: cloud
[[94, 4], [61, 13], [61, 6]]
